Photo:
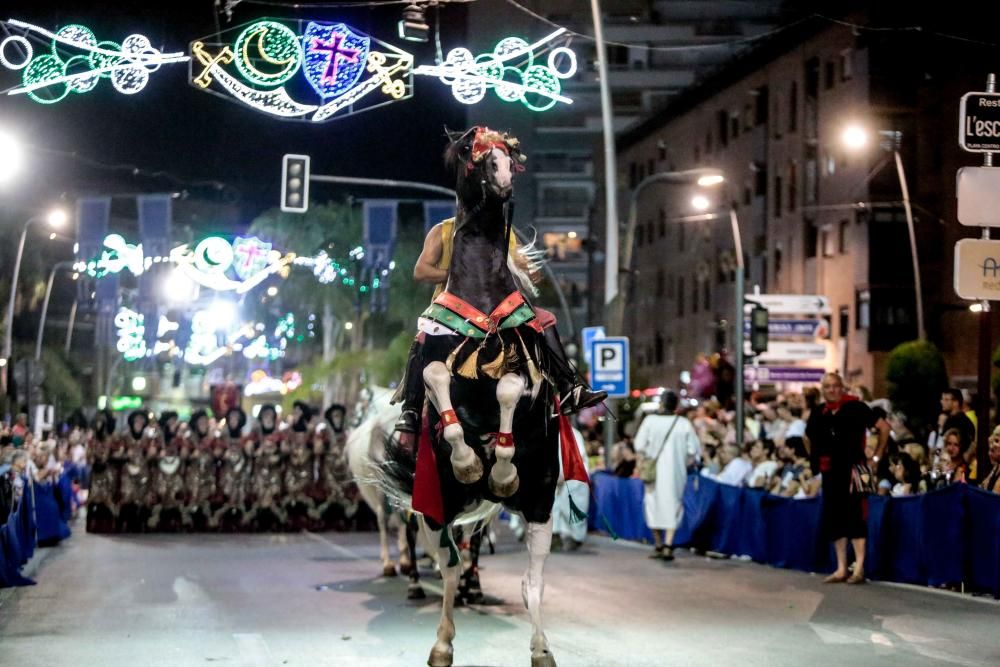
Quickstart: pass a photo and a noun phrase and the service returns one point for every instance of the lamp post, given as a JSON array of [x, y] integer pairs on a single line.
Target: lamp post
[[615, 300], [45, 307], [56, 219], [855, 138]]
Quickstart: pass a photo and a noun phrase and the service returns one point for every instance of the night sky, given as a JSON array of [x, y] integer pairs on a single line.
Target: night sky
[[197, 137]]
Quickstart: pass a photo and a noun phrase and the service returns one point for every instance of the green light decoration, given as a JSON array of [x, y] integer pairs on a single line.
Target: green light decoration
[[270, 43], [77, 61]]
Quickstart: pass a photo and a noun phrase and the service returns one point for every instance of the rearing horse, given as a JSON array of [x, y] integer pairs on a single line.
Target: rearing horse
[[490, 434]]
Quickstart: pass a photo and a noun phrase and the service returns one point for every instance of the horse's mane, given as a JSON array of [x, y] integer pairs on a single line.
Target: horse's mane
[[534, 260]]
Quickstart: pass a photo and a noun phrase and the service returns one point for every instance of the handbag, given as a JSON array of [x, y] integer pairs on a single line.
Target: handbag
[[647, 467], [862, 479]]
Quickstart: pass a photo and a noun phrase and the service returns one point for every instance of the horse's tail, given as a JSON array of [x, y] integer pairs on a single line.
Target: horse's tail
[[394, 474]]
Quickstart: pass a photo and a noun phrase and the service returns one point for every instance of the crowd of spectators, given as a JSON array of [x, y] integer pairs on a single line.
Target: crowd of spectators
[[775, 453]]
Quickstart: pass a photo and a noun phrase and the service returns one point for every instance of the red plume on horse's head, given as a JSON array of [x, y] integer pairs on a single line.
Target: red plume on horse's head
[[472, 145]]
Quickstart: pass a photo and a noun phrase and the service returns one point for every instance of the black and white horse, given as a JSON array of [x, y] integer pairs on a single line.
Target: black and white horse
[[491, 434]]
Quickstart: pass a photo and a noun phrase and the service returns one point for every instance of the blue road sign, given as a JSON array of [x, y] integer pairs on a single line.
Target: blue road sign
[[609, 371], [588, 335]]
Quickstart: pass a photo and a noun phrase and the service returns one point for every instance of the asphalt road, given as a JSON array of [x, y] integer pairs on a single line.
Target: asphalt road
[[319, 600]]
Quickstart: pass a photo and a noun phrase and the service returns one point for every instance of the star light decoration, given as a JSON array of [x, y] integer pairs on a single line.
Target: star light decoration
[[73, 60]]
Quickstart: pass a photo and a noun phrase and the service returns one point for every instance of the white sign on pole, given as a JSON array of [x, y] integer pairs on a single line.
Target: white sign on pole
[[979, 196], [979, 122], [786, 351], [791, 304], [977, 269]]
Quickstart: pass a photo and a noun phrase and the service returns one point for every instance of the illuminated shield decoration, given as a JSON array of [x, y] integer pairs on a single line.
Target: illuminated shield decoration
[[335, 58]]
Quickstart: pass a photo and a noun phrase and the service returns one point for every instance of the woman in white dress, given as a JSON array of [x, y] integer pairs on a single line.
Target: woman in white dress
[[672, 441]]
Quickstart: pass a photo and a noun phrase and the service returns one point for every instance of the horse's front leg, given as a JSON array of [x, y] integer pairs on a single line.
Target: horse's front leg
[[539, 541], [388, 567], [503, 478], [443, 652], [414, 590], [464, 462]]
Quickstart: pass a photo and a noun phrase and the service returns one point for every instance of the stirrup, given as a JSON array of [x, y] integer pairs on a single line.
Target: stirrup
[[579, 398], [408, 422]]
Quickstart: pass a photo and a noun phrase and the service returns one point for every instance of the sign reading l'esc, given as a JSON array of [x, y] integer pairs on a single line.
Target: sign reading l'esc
[[979, 129]]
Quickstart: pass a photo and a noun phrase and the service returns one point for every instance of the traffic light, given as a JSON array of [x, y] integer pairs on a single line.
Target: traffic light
[[295, 183], [758, 329]]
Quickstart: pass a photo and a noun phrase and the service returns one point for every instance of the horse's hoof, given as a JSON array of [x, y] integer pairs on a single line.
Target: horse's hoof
[[405, 567], [441, 658], [471, 473], [543, 660], [505, 489], [415, 593], [388, 570]]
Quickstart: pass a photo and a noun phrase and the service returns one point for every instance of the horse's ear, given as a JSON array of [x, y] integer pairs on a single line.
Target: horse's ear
[[452, 135]]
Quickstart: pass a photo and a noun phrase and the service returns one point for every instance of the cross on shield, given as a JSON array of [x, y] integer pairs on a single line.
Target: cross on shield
[[335, 57]]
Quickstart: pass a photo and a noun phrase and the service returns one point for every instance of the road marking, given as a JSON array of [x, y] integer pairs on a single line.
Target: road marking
[[253, 649], [342, 550]]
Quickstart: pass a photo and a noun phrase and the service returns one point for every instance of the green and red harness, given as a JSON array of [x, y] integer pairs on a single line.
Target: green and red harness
[[467, 320]]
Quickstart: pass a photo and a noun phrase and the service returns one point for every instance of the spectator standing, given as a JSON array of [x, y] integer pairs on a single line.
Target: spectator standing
[[953, 406], [837, 430], [992, 480], [671, 440]]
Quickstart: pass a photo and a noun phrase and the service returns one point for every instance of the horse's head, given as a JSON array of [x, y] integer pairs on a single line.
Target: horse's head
[[485, 161]]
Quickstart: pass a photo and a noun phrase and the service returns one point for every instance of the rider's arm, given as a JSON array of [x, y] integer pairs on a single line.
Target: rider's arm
[[426, 270]]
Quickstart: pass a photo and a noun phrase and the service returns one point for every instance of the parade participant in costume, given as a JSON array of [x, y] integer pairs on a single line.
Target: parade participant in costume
[[236, 420], [234, 475], [136, 422], [298, 480], [199, 476], [266, 426], [334, 474], [432, 267], [301, 416], [104, 477], [169, 425], [266, 478], [133, 503], [168, 490]]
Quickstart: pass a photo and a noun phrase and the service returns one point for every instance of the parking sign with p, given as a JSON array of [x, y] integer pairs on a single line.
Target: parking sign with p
[[609, 370]]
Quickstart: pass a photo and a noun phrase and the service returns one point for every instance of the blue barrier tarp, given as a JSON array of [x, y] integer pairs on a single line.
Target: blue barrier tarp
[[943, 537]]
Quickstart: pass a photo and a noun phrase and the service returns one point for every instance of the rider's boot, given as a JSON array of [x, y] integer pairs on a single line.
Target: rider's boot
[[574, 394], [408, 423]]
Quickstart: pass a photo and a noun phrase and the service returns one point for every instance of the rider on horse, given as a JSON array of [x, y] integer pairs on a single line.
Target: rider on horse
[[432, 268]]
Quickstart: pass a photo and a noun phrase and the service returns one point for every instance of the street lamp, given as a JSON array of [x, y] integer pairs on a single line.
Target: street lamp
[[11, 157], [45, 307], [55, 218], [855, 138]]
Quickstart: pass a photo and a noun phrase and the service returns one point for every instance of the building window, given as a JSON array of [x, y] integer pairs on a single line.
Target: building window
[[812, 239], [722, 122], [734, 125], [706, 287], [812, 181], [658, 345], [681, 229], [748, 117], [659, 282], [760, 176], [793, 107], [563, 247], [761, 105], [663, 223], [793, 186], [563, 202], [632, 173], [842, 236], [846, 65], [649, 231], [651, 167], [776, 116], [777, 196], [694, 295], [827, 241], [680, 296], [777, 261], [830, 74], [661, 151], [843, 321], [863, 305], [638, 235], [812, 78]]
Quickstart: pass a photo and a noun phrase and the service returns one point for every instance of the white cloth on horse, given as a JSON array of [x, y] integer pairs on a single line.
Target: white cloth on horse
[[563, 523], [662, 500]]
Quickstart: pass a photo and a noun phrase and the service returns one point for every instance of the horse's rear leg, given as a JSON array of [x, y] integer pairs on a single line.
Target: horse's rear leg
[[503, 477], [388, 567], [464, 462], [414, 590], [442, 654], [539, 541]]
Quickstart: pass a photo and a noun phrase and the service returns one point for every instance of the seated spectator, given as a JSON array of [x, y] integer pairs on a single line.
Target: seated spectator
[[950, 467], [907, 476], [735, 468], [795, 480], [992, 481], [764, 465], [797, 425], [623, 458]]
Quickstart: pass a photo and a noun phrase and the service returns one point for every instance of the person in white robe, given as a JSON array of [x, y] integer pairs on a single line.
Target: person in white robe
[[662, 499]]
